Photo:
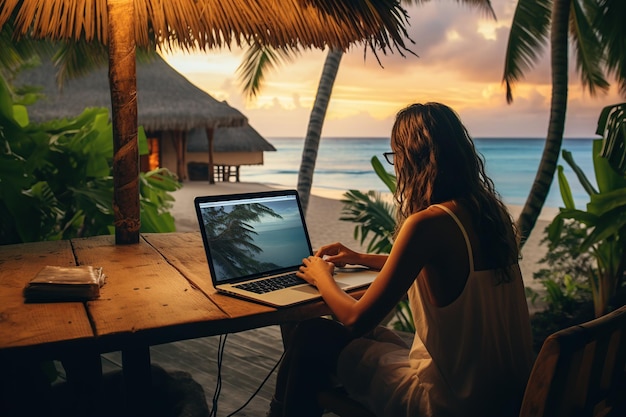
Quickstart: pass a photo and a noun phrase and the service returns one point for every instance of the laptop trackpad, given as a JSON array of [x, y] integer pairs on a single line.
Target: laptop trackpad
[[309, 289]]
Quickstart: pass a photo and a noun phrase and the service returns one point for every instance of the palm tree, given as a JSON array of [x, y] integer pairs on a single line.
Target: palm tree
[[532, 22], [257, 60], [252, 76], [316, 122]]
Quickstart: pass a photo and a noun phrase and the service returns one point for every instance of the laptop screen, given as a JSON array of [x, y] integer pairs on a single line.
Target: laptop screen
[[252, 235]]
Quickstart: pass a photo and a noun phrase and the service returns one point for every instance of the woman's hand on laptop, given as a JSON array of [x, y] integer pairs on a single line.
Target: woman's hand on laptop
[[338, 254], [315, 269], [341, 256]]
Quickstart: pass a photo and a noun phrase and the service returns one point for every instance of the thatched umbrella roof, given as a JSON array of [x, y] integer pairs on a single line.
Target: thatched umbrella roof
[[192, 25], [229, 139], [166, 100], [209, 24]]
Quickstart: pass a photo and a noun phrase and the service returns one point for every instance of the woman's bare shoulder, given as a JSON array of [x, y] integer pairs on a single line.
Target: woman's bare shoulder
[[430, 220]]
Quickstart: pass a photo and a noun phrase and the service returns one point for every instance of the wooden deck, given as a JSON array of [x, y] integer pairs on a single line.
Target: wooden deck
[[247, 360]]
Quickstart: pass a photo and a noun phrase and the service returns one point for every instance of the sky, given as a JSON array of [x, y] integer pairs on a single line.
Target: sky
[[460, 63]]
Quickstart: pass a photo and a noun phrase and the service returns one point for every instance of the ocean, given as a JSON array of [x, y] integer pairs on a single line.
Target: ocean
[[344, 164]]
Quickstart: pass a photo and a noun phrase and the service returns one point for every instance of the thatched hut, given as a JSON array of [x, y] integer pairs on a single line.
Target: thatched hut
[[232, 148], [168, 107]]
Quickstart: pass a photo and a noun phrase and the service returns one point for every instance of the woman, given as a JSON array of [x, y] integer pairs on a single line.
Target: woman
[[455, 254]]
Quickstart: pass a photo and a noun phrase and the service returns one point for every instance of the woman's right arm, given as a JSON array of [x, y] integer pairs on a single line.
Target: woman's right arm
[[341, 255]]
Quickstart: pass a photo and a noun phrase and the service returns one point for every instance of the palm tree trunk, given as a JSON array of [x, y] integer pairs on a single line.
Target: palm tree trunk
[[123, 85], [558, 108], [316, 121]]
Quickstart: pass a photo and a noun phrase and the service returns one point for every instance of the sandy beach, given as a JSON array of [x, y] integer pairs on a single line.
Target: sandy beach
[[324, 225]]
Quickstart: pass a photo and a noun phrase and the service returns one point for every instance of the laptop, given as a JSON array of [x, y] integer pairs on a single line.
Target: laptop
[[254, 244]]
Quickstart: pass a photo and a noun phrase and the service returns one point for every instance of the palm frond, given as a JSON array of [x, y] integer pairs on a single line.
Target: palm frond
[[589, 50], [259, 59], [373, 215], [609, 21], [527, 38], [17, 53]]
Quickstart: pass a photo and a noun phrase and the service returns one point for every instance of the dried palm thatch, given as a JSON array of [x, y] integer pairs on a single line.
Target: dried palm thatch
[[193, 25], [166, 100], [209, 24]]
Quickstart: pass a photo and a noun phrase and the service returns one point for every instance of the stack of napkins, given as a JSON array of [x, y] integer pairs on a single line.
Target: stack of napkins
[[65, 283]]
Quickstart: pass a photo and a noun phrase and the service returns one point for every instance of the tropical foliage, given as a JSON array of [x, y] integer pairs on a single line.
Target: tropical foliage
[[564, 277], [612, 126], [604, 220], [597, 37], [55, 177], [373, 214]]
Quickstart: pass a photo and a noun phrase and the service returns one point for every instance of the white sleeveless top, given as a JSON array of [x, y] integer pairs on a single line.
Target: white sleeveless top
[[469, 358]]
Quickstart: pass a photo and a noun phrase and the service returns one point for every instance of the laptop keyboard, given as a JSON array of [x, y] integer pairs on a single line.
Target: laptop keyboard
[[271, 284]]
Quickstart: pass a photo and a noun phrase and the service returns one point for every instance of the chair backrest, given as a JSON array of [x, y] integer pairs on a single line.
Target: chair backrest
[[580, 371]]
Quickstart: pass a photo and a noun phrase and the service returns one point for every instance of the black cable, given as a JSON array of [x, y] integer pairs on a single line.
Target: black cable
[[218, 384], [259, 388]]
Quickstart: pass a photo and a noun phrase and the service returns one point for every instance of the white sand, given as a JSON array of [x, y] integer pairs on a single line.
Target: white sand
[[324, 225]]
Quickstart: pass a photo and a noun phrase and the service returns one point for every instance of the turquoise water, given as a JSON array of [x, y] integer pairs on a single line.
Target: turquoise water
[[344, 163]]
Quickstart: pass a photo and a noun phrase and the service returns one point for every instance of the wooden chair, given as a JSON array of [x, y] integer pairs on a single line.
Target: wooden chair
[[579, 372]]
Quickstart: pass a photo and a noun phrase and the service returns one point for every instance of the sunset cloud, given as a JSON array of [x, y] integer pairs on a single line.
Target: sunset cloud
[[460, 62]]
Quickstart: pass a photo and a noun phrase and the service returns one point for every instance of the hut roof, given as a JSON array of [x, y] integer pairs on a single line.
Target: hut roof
[[166, 100], [212, 24], [228, 139]]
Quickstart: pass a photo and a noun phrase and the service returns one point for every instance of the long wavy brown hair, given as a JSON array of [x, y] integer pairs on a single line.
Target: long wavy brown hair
[[436, 161]]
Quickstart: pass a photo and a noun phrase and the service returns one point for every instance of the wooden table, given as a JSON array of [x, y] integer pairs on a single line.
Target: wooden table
[[156, 291]]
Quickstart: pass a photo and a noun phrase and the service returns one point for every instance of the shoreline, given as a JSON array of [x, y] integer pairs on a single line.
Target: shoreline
[[324, 226]]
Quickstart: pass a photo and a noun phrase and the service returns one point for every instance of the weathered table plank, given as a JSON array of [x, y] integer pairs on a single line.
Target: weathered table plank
[[145, 299], [40, 326]]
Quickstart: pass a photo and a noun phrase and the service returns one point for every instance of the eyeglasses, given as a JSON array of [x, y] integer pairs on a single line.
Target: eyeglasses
[[389, 156]]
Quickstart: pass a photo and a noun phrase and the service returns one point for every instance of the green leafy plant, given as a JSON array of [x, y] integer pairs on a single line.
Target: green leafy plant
[[565, 277], [372, 212], [604, 220], [375, 219], [612, 126], [55, 177]]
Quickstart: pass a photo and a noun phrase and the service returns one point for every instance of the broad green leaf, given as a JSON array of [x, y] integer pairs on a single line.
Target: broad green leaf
[[21, 115], [607, 201], [612, 127], [582, 178], [554, 230], [386, 177], [605, 227], [98, 167], [566, 191], [142, 141], [581, 216], [607, 178]]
